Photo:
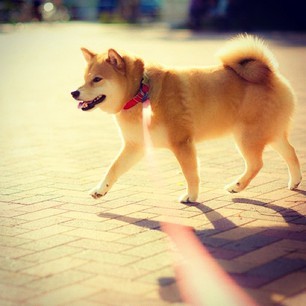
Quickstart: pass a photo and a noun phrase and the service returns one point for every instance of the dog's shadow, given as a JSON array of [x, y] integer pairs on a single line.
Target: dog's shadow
[[300, 191], [230, 249]]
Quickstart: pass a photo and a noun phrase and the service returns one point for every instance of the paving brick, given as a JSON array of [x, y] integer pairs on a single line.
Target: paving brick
[[54, 266], [277, 268], [10, 213], [300, 236], [10, 221], [95, 225], [52, 253], [41, 223], [259, 257], [131, 218], [128, 286], [12, 241], [154, 262], [106, 257], [173, 212], [15, 278], [164, 276], [112, 271], [142, 238], [36, 199], [108, 246], [11, 231], [251, 243], [115, 297], [15, 294], [63, 295], [51, 282], [268, 224], [148, 249], [211, 241], [265, 298], [14, 265], [127, 209], [79, 201], [129, 229], [45, 232], [96, 234], [268, 216], [297, 300], [8, 206], [48, 243], [291, 245], [81, 216], [231, 265], [193, 222], [237, 233], [87, 302], [223, 253], [289, 284], [13, 252], [247, 281], [40, 214]]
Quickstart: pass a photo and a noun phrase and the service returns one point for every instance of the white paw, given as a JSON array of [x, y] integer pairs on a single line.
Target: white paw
[[99, 191], [187, 198], [293, 184], [234, 188]]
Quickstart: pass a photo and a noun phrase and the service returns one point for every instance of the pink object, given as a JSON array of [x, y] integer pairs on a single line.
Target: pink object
[[200, 279]]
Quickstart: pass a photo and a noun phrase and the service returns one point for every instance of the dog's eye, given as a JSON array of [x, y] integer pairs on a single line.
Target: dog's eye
[[97, 79]]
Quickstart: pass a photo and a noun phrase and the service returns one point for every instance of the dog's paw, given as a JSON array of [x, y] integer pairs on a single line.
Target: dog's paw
[[293, 184], [99, 191], [234, 187], [187, 198]]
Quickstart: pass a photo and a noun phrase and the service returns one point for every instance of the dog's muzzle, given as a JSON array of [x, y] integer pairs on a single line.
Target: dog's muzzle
[[87, 105]]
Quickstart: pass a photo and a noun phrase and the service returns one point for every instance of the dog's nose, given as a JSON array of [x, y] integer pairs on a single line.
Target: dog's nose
[[75, 94]]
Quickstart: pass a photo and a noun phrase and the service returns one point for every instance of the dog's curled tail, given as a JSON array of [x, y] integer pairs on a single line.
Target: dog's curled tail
[[249, 58]]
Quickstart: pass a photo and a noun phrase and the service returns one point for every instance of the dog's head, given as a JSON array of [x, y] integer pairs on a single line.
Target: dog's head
[[110, 81]]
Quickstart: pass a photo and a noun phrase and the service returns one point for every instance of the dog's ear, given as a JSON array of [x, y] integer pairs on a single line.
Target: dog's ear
[[88, 55], [116, 60]]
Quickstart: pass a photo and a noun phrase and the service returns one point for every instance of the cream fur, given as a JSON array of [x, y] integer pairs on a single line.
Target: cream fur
[[245, 96]]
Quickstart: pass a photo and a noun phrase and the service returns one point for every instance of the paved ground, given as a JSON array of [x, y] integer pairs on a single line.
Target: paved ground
[[59, 246]]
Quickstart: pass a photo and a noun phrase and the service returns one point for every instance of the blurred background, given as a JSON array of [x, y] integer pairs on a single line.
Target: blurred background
[[220, 15]]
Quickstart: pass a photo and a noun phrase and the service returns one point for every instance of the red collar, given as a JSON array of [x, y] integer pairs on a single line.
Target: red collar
[[142, 96]]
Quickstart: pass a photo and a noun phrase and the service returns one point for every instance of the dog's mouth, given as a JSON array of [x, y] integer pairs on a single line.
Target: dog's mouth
[[87, 105]]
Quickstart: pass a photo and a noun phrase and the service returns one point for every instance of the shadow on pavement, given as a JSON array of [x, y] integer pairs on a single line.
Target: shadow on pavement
[[231, 249]]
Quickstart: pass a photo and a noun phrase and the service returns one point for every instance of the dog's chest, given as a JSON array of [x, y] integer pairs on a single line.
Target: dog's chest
[[143, 133]]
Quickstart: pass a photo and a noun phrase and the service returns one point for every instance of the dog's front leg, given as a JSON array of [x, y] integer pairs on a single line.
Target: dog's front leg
[[185, 153], [129, 156]]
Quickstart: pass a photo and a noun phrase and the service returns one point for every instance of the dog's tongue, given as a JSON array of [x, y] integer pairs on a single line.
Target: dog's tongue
[[80, 105]]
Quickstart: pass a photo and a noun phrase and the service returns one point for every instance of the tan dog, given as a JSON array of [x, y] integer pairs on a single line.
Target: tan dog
[[245, 96]]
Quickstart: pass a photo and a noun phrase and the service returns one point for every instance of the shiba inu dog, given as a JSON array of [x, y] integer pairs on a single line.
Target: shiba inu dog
[[245, 95]]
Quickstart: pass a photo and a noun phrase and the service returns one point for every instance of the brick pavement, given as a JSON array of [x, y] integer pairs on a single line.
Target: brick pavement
[[58, 246]]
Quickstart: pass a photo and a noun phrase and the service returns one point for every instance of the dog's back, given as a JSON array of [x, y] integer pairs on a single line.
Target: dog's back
[[245, 91]]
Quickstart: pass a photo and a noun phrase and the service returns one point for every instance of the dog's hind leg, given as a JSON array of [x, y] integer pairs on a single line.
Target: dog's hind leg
[[251, 151], [185, 153], [286, 150]]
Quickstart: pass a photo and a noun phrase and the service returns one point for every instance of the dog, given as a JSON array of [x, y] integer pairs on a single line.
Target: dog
[[244, 95]]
